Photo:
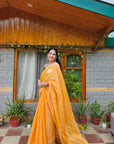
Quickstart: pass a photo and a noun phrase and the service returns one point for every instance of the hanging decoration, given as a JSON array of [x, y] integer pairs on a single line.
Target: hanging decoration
[[62, 49]]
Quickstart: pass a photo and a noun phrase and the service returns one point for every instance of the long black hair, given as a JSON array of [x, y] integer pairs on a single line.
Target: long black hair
[[57, 59]]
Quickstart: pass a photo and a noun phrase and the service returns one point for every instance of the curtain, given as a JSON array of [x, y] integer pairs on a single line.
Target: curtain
[[41, 61], [26, 75]]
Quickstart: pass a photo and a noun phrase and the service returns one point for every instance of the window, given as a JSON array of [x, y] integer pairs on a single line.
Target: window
[[78, 65], [28, 68]]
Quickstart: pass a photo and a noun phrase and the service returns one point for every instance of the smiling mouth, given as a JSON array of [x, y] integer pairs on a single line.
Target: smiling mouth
[[51, 57]]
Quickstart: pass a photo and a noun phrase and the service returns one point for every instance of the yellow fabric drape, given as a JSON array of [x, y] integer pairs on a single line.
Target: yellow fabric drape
[[54, 111]]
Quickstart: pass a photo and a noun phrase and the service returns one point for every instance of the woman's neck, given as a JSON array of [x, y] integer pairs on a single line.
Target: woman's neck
[[51, 62]]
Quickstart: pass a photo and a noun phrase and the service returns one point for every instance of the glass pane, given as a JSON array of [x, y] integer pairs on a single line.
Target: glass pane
[[78, 73], [69, 70], [77, 61], [70, 61]]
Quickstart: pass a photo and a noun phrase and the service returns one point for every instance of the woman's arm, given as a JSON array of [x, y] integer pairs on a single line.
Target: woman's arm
[[42, 84]]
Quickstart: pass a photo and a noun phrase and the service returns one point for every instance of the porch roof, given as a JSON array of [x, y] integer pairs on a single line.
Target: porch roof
[[81, 14], [89, 15]]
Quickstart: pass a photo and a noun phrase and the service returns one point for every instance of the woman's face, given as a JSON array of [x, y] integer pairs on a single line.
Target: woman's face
[[52, 56]]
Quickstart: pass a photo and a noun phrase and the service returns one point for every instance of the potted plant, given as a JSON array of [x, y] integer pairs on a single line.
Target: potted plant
[[110, 110], [16, 111], [81, 109], [29, 123], [83, 126], [103, 119], [95, 112], [72, 83]]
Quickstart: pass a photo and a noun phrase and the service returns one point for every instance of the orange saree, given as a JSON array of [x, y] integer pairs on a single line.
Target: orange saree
[[54, 111]]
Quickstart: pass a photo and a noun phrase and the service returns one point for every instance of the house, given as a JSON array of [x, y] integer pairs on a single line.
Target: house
[[76, 28]]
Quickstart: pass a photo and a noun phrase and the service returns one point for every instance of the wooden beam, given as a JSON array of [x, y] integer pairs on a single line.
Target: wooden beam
[[106, 31], [15, 76]]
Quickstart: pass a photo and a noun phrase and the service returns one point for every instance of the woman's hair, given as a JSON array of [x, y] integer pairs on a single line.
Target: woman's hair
[[57, 59]]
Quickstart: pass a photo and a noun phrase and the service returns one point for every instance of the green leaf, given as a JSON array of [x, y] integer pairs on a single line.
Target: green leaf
[[16, 42], [12, 45], [18, 45], [5, 43], [9, 41], [76, 49], [82, 56], [45, 47], [26, 42], [84, 50], [29, 46], [48, 47]]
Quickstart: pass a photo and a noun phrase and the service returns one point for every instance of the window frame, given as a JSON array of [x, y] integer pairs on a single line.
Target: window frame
[[83, 72], [15, 77]]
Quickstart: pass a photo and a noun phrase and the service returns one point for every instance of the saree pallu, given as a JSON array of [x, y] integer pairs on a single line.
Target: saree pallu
[[54, 111]]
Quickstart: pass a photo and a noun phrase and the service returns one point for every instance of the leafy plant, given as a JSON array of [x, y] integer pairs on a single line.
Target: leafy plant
[[72, 83], [111, 107], [17, 109], [83, 126], [95, 109], [29, 121], [103, 116], [82, 106]]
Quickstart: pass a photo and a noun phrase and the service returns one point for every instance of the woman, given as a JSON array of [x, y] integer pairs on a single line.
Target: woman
[[54, 112]]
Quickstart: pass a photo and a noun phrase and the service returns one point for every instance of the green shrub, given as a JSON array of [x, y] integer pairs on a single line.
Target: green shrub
[[72, 83]]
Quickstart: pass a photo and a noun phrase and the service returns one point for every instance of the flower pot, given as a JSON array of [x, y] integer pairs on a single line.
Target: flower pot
[[14, 121], [95, 121], [104, 125], [28, 125], [83, 120], [1, 121]]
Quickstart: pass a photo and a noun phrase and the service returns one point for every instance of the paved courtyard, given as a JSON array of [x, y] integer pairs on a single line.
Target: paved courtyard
[[19, 135]]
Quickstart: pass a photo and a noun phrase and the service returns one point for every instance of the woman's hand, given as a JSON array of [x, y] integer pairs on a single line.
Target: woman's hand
[[42, 84], [39, 83]]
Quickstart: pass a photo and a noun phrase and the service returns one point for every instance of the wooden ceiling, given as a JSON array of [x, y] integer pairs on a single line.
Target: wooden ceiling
[[63, 13]]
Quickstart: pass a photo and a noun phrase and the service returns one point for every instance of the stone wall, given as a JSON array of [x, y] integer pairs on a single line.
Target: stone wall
[[6, 77], [99, 74]]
